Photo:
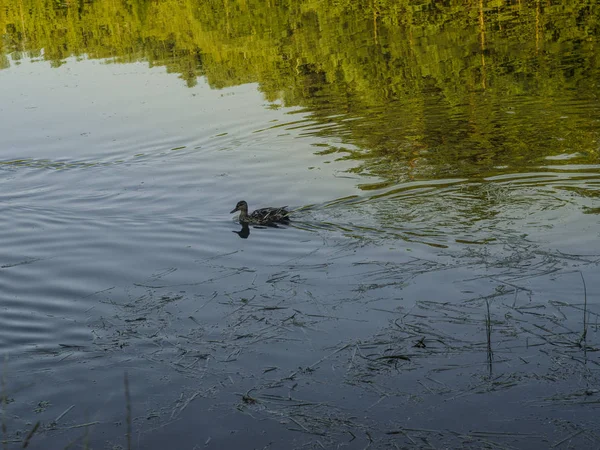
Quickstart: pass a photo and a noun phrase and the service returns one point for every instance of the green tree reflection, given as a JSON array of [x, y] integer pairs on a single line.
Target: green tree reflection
[[414, 89]]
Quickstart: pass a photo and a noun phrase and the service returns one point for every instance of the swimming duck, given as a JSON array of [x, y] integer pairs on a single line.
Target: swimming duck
[[263, 216]]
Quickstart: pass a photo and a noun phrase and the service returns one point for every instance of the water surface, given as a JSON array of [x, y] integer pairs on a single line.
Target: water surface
[[437, 286]]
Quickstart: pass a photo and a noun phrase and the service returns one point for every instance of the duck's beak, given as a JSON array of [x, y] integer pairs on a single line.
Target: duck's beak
[[233, 210]]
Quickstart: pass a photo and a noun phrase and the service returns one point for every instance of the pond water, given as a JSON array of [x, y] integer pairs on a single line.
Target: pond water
[[437, 286]]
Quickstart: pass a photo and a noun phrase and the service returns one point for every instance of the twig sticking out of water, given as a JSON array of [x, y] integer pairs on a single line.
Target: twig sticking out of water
[[30, 435], [128, 409], [4, 403], [488, 328], [585, 325]]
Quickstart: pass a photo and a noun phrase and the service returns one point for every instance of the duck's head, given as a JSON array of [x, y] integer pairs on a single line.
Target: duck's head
[[241, 206]]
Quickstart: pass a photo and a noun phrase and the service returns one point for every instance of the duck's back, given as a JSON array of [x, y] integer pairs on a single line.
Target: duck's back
[[266, 215]]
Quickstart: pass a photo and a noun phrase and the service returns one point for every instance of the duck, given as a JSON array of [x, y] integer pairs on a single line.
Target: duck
[[262, 216]]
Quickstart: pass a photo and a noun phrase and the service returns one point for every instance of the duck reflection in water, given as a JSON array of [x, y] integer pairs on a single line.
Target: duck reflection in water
[[244, 232]]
